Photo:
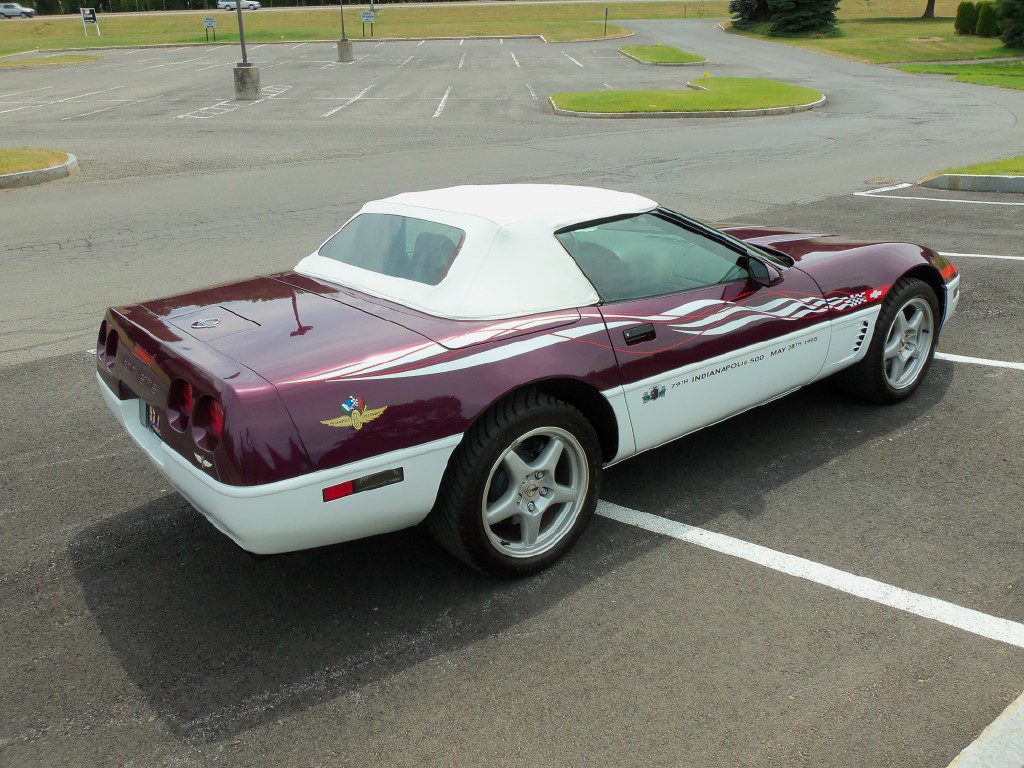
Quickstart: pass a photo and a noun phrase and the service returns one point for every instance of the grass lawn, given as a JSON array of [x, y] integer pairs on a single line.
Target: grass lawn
[[20, 159], [1010, 166], [661, 54], [882, 41], [1002, 74], [47, 61], [723, 93]]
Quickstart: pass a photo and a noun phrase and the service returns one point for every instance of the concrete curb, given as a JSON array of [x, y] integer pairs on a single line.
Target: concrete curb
[[665, 63], [334, 41], [966, 182], [30, 178], [715, 113]]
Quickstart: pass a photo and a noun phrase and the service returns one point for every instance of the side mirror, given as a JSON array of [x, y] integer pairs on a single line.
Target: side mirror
[[761, 272]]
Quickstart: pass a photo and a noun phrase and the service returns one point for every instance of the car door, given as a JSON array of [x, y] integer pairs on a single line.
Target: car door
[[701, 327]]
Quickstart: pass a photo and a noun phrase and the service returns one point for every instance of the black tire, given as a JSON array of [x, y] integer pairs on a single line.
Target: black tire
[[457, 520], [866, 379], [26, 16]]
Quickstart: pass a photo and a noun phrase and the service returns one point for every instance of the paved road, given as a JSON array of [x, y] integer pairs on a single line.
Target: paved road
[[134, 634]]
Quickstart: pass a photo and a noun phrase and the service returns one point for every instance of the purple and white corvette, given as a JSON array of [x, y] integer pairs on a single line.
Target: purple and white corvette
[[476, 355]]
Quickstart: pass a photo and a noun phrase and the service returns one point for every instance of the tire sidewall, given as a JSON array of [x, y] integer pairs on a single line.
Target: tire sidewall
[[895, 302], [477, 542]]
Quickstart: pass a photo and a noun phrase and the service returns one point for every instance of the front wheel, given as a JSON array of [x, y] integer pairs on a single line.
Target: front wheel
[[521, 487], [902, 345]]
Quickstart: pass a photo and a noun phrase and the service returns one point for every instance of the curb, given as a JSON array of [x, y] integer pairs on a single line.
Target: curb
[[334, 40], [715, 113], [30, 178], [966, 182], [664, 63]]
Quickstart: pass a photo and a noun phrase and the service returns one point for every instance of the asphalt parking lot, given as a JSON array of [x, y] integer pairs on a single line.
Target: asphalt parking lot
[[135, 634]]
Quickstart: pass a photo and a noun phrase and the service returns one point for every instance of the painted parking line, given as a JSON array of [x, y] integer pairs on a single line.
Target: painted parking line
[[61, 101], [462, 61], [950, 614], [979, 361], [30, 90], [444, 100], [404, 63], [210, 66], [979, 256], [230, 105], [353, 100], [296, 46], [130, 102], [514, 59], [1001, 745], [169, 63], [570, 58], [421, 42], [880, 193], [533, 95]]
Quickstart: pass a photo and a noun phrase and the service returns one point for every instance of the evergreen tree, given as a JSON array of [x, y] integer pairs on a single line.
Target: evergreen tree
[[988, 21], [795, 17], [749, 13], [1012, 23], [966, 18]]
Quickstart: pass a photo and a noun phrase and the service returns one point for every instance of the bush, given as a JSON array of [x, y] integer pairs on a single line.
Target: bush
[[797, 17], [1012, 23], [966, 18], [988, 22]]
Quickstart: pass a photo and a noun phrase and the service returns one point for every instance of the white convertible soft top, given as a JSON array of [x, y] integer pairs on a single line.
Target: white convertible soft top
[[510, 263]]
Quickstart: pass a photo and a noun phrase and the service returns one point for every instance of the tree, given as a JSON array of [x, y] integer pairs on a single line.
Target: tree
[[796, 17], [966, 18], [748, 13], [929, 10], [1012, 23], [988, 21]]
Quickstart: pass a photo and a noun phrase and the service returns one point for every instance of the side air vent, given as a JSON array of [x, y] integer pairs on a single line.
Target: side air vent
[[862, 334]]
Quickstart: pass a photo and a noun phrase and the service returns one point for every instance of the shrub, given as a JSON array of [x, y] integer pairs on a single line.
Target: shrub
[[966, 18], [988, 22], [796, 17], [1012, 23]]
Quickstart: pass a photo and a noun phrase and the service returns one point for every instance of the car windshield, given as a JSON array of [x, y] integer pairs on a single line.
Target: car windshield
[[398, 246]]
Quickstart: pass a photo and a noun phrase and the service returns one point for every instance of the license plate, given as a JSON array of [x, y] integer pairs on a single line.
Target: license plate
[[150, 418]]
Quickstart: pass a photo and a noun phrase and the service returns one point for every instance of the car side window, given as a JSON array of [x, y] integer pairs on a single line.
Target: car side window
[[649, 255]]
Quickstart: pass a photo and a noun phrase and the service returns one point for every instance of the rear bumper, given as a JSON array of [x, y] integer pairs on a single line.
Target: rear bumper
[[291, 514], [952, 298]]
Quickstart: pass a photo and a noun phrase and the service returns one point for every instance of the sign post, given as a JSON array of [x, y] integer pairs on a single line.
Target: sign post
[[89, 17], [344, 45], [210, 22], [368, 18], [606, 22], [247, 76]]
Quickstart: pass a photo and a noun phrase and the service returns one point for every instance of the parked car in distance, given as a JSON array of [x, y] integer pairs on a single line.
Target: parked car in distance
[[13, 10], [476, 356], [230, 5]]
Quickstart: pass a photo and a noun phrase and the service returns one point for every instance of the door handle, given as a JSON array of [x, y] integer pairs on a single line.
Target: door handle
[[638, 333]]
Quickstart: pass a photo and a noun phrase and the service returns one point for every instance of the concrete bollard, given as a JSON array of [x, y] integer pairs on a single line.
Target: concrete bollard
[[345, 50], [247, 82]]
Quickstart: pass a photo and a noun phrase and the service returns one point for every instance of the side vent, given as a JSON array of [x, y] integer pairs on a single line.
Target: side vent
[[862, 334]]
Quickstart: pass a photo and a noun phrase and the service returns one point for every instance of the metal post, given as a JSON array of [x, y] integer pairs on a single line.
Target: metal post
[[606, 21], [241, 32]]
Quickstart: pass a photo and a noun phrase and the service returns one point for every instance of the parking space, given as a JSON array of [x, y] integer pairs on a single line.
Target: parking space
[[815, 582]]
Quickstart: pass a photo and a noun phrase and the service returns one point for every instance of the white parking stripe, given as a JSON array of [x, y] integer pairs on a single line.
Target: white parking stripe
[[421, 42], [353, 100], [61, 101], [1001, 745], [979, 361], [404, 63], [30, 90], [112, 106], [169, 63], [515, 59], [530, 89], [980, 256], [966, 619], [211, 66], [462, 61], [570, 58], [877, 193], [444, 100], [461, 42], [296, 46]]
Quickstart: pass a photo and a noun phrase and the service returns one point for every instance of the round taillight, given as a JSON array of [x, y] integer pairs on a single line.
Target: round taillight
[[207, 423], [101, 341], [179, 405], [110, 351]]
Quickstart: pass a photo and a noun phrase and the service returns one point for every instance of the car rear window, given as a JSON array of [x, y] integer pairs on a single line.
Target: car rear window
[[398, 246]]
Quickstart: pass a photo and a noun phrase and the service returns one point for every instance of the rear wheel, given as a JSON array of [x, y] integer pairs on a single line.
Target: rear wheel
[[521, 488], [902, 345]]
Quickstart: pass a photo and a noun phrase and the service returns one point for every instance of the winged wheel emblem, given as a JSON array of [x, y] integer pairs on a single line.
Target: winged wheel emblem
[[354, 414]]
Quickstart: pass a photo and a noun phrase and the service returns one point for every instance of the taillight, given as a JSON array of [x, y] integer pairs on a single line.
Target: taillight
[[110, 349], [101, 341], [207, 423], [179, 404]]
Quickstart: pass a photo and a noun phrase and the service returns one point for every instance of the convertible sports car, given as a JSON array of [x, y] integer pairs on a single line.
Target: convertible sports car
[[474, 356]]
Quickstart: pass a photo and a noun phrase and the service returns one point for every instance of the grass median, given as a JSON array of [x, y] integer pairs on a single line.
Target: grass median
[[661, 54], [1010, 166], [18, 159], [883, 41], [47, 61], [1000, 74], [722, 94]]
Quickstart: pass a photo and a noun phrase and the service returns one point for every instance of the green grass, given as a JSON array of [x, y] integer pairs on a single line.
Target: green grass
[[661, 54], [1001, 74], [882, 41], [17, 159], [723, 93], [1010, 166], [46, 61]]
